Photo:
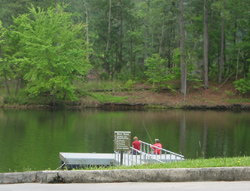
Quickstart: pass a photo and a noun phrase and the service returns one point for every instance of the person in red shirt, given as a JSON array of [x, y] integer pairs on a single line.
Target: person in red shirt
[[137, 145], [157, 144]]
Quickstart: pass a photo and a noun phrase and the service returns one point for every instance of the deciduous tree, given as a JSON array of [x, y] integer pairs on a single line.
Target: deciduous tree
[[54, 50]]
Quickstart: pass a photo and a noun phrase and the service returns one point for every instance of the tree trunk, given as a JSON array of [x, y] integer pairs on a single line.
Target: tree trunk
[[107, 67], [222, 46], [121, 38], [87, 26], [6, 82], [54, 100], [205, 45], [131, 57], [56, 5], [146, 39], [183, 65], [17, 85], [162, 34], [109, 26]]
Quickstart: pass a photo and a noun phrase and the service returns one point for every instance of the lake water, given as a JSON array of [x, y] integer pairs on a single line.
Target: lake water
[[32, 139]]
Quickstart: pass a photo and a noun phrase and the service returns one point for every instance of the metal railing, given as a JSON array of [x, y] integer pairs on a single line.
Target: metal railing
[[145, 156], [139, 157], [165, 155]]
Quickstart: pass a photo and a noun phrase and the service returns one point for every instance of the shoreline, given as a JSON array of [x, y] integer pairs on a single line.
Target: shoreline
[[135, 106]]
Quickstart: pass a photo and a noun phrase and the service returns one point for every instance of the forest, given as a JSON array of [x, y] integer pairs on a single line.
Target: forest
[[48, 48]]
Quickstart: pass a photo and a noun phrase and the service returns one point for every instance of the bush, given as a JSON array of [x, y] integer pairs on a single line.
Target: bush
[[16, 100], [243, 85]]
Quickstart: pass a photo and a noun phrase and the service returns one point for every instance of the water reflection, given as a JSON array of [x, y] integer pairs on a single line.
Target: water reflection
[[34, 138], [182, 133]]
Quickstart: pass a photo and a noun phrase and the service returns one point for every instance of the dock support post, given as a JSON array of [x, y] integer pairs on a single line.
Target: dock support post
[[121, 157]]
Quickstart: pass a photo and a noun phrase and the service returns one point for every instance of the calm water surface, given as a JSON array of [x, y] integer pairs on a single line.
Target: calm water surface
[[32, 139]]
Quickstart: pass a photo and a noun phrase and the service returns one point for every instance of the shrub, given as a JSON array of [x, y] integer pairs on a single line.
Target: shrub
[[243, 85]]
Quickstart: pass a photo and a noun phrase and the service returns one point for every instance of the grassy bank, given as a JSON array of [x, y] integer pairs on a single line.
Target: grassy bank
[[190, 163]]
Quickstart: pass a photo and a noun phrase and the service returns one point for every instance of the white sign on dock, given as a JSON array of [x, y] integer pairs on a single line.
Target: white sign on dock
[[122, 140]]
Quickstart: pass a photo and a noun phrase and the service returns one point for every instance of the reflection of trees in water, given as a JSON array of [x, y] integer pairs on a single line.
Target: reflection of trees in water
[[183, 133], [204, 142], [219, 146]]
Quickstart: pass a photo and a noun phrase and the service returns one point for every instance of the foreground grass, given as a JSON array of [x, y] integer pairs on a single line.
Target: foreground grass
[[190, 163]]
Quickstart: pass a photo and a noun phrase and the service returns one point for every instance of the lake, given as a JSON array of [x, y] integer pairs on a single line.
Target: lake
[[32, 139]]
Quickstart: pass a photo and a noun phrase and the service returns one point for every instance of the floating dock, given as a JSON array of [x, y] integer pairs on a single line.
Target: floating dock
[[82, 160]]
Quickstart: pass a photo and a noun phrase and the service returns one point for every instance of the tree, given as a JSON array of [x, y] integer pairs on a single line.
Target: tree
[[3, 65], [183, 65], [87, 25], [53, 48], [205, 45], [222, 44]]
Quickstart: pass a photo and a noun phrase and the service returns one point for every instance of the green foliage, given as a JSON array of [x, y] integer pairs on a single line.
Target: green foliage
[[243, 85], [52, 53], [157, 72]]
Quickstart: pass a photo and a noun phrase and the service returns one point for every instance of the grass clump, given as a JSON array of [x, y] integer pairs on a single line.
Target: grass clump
[[245, 100], [108, 98]]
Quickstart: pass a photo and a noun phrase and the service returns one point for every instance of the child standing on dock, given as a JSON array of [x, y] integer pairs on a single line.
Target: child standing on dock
[[137, 145]]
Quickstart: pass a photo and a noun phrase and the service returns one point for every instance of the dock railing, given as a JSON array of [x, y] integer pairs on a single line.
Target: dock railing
[[165, 155], [138, 158], [145, 155]]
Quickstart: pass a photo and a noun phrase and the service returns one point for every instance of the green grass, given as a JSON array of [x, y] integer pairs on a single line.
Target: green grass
[[108, 98], [190, 163]]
